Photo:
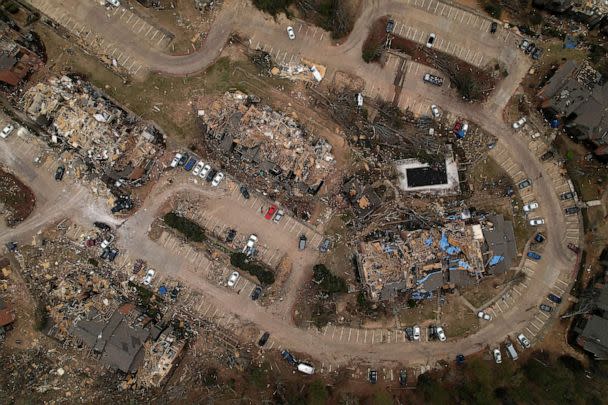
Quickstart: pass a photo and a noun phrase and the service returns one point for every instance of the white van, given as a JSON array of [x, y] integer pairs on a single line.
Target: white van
[[306, 368], [511, 351]]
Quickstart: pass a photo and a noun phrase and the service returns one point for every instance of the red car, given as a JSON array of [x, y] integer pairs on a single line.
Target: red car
[[271, 211], [457, 127]]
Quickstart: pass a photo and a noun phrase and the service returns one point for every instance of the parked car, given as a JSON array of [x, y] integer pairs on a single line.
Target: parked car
[[524, 183], [291, 33], [523, 341], [572, 210], [244, 192], [289, 357], [112, 254], [530, 206], [554, 298], [102, 225], [373, 376], [205, 171], [497, 355], [547, 155], [197, 169], [402, 377], [537, 222], [440, 334], [534, 256], [546, 308], [390, 25], [436, 80], [484, 315], [302, 242], [233, 279], [460, 359], [176, 159], [493, 27], [230, 235], [148, 277], [271, 211], [306, 368], [531, 48], [538, 52], [416, 333], [325, 245], [263, 339], [175, 292], [210, 175], [256, 293], [217, 179], [519, 123], [190, 164], [511, 352], [6, 131], [250, 246], [539, 238], [567, 196], [524, 45], [183, 159], [59, 173], [106, 242], [115, 3], [431, 41], [278, 216], [435, 111]]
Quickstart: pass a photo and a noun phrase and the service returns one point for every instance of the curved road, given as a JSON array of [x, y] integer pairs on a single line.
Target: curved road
[[346, 57]]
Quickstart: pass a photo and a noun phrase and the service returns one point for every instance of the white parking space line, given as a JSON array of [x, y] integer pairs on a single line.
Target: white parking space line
[[530, 332], [535, 325]]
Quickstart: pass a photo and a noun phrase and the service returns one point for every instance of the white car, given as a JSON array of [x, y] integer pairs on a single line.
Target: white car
[[523, 341], [484, 315], [278, 216], [435, 111], [497, 355], [537, 221], [234, 277], [248, 249], [520, 123], [115, 3], [176, 159], [530, 206], [536, 135], [291, 33], [465, 128], [441, 334], [197, 169], [148, 277], [6, 131], [106, 242], [217, 179], [431, 41], [416, 332], [205, 171]]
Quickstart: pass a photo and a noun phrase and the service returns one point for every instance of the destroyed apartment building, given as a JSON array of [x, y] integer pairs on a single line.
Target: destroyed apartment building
[[420, 262], [267, 144], [75, 113]]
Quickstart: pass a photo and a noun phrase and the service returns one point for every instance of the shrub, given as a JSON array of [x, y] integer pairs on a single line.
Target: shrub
[[191, 230], [328, 282], [494, 9], [241, 261], [272, 6], [11, 7], [372, 47]]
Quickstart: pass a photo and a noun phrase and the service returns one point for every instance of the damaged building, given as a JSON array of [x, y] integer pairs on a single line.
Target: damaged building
[[16, 61]]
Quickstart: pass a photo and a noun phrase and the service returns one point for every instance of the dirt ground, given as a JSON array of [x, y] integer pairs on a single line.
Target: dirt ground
[[17, 201]]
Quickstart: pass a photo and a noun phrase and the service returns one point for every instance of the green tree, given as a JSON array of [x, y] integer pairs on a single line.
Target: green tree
[[317, 393]]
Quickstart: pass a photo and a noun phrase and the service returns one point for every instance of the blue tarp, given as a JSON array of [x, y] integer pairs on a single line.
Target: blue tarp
[[417, 295], [570, 42], [554, 123], [446, 247], [460, 134], [429, 241], [495, 260], [162, 290]]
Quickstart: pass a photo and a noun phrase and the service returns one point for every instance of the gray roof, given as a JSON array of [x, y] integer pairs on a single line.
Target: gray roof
[[602, 300], [501, 241], [7, 61], [390, 290], [595, 337], [432, 281], [461, 278]]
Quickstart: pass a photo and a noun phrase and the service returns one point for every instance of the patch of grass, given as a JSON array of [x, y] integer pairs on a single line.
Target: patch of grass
[[191, 230], [328, 282], [241, 261]]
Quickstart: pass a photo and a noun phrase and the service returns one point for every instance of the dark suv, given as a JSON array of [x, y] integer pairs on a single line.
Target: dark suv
[[59, 173]]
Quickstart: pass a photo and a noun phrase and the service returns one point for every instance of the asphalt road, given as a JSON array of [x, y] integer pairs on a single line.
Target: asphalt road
[[556, 262]]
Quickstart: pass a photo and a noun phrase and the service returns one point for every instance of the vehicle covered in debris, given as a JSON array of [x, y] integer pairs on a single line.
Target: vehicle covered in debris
[[436, 80]]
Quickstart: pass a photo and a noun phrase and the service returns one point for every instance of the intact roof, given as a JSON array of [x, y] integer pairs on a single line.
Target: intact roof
[[501, 241], [595, 337], [431, 281]]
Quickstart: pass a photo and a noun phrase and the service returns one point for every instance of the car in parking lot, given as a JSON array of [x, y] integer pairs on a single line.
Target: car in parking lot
[[431, 41], [402, 377], [435, 111], [291, 33], [545, 307], [6, 131], [210, 175], [233, 279], [484, 315], [325, 245], [497, 356], [519, 123], [531, 48], [493, 27], [256, 293], [567, 196], [539, 238], [524, 44], [440, 334], [244, 192], [217, 179], [197, 169], [302, 242], [176, 159], [538, 52], [183, 159], [554, 298], [278, 216], [263, 339], [148, 277], [289, 357], [271, 211], [523, 341], [436, 80], [250, 246], [534, 256], [416, 333], [205, 171], [59, 173], [373, 376], [390, 25], [537, 222], [190, 164], [530, 206], [115, 3], [524, 184], [230, 235], [572, 210], [547, 155]]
